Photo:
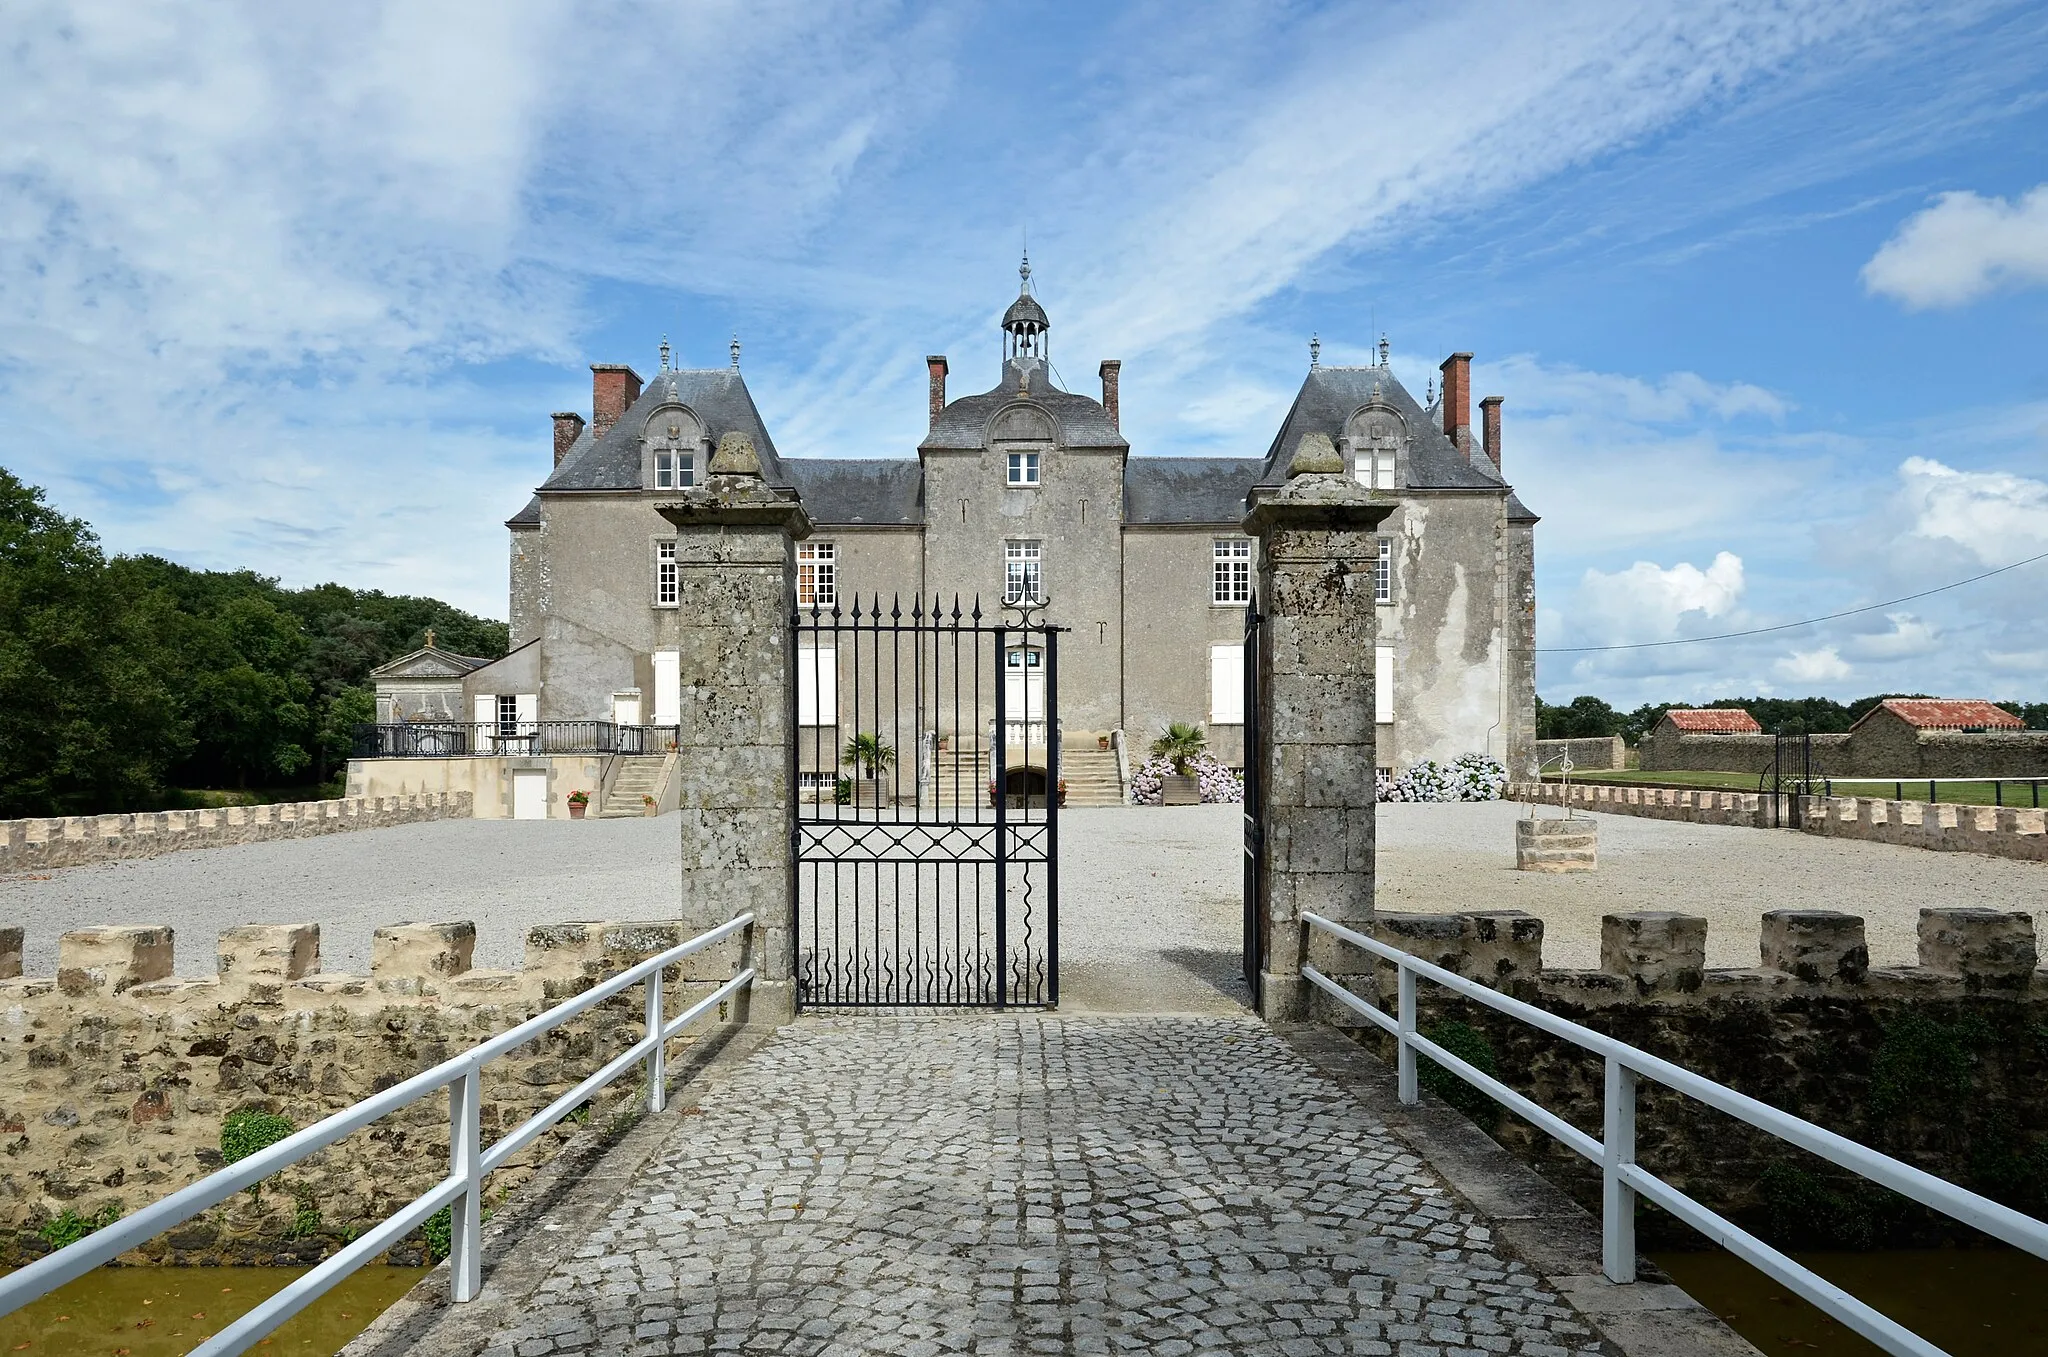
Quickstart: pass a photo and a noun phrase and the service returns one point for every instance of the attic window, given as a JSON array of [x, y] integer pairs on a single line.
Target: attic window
[[1023, 468], [674, 469]]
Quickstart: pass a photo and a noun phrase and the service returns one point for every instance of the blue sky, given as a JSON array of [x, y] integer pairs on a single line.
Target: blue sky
[[1765, 285]]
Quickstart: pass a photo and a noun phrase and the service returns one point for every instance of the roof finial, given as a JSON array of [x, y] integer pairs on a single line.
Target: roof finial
[[1024, 273], [1315, 352], [664, 353], [430, 638], [1383, 348], [1429, 397], [735, 351]]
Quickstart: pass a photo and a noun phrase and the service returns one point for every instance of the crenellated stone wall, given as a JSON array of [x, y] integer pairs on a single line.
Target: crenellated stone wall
[[2001, 831], [71, 841], [116, 1075], [1943, 1064]]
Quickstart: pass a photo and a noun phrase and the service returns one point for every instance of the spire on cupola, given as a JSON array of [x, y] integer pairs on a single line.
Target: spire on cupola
[[1024, 324]]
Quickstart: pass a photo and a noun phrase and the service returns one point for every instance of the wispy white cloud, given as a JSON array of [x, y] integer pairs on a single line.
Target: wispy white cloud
[[1962, 248], [1649, 602], [1820, 667]]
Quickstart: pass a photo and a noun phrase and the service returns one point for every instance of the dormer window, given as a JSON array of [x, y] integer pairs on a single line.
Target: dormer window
[[1023, 468], [1375, 468], [674, 469]]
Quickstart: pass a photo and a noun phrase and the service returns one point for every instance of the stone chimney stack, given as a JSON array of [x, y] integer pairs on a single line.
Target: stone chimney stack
[[935, 363], [613, 389], [1489, 429], [1111, 369], [568, 426], [1457, 370]]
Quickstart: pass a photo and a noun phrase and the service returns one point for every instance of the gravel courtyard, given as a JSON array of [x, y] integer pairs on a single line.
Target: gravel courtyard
[[1150, 920]]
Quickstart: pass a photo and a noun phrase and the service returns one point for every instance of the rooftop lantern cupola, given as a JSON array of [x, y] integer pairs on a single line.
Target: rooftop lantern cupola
[[1024, 324]]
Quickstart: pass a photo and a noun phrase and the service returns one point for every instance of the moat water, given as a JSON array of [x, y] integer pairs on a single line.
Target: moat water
[[162, 1311], [1969, 1302]]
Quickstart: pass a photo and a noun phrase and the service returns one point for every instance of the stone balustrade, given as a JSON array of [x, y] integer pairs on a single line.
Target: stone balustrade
[[73, 840], [2000, 831], [116, 1073]]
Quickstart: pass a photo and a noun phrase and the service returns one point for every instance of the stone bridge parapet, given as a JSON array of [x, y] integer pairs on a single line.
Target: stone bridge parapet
[[74, 840]]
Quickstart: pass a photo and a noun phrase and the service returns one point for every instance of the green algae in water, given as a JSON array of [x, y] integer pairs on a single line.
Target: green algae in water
[[1968, 1302], [168, 1311]]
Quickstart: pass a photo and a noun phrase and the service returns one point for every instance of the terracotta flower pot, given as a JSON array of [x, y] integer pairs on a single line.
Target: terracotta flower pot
[[576, 809]]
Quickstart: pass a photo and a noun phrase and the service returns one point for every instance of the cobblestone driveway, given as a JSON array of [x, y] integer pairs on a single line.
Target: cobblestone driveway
[[998, 1184]]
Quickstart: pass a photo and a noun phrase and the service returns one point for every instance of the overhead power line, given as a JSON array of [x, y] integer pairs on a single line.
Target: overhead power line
[[1790, 626]]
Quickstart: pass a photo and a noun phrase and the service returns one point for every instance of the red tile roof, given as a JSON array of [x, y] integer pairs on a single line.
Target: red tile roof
[[1941, 713], [1714, 721]]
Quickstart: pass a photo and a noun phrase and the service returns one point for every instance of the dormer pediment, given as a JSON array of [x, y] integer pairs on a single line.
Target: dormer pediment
[[428, 662], [1022, 423]]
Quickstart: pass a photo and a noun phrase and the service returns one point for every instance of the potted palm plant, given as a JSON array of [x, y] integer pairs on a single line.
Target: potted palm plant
[[1180, 745], [869, 757]]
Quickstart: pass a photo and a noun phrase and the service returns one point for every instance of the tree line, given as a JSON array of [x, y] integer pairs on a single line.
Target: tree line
[[1587, 717], [124, 679]]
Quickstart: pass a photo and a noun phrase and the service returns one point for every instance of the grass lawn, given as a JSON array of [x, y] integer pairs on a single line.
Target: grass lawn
[[1955, 793]]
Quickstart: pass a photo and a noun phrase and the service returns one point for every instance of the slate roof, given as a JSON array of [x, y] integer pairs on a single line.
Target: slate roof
[[849, 490], [720, 400], [1937, 713], [529, 517], [1083, 423], [1188, 489], [1330, 396], [1714, 721]]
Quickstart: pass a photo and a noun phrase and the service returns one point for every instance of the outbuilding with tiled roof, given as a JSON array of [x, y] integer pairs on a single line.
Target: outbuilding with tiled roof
[[1946, 713], [1712, 721]]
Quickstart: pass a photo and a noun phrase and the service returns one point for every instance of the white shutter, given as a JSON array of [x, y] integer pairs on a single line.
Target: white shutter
[[817, 686], [528, 712], [668, 687], [1383, 683], [484, 708], [1226, 685]]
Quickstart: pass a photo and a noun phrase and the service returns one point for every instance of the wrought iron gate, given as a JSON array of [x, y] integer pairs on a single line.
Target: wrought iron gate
[[1254, 809], [1789, 780], [925, 755]]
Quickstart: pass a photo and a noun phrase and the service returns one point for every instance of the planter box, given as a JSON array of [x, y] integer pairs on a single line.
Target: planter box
[[871, 793], [1180, 791], [1560, 845]]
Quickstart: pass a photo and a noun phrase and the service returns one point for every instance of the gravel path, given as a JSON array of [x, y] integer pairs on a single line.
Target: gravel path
[[1151, 915]]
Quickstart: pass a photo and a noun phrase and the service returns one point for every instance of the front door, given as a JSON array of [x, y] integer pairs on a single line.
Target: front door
[[626, 709], [530, 795]]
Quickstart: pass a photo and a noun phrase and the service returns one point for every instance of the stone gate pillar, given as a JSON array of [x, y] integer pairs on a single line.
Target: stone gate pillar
[[1318, 548], [737, 590]]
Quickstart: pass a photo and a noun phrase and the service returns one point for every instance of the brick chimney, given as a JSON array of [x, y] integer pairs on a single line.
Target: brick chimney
[[1111, 368], [568, 425], [613, 389], [1457, 370], [1489, 428], [935, 364]]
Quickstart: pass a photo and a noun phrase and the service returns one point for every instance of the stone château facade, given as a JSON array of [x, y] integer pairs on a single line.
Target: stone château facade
[[1027, 489]]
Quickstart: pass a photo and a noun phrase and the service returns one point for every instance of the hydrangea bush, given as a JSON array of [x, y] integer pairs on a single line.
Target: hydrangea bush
[[1219, 783], [1471, 777]]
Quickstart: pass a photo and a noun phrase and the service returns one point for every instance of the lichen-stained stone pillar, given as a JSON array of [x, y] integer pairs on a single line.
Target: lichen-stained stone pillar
[[737, 590], [1317, 550]]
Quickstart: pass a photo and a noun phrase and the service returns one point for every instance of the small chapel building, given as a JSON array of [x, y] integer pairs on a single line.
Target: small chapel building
[[1023, 491]]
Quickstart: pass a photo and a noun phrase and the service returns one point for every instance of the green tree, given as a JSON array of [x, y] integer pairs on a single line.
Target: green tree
[[1584, 718], [87, 721], [1181, 744]]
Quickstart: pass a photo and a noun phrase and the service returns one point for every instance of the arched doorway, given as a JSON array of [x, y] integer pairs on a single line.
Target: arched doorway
[[1024, 788]]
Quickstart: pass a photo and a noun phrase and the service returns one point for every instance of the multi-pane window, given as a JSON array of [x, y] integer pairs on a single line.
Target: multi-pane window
[[1023, 468], [817, 574], [1022, 582], [1230, 578], [674, 469], [1383, 573], [508, 714], [1375, 465], [666, 581]]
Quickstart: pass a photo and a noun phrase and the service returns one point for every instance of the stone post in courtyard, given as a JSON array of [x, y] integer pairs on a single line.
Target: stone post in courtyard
[[736, 594], [1318, 548]]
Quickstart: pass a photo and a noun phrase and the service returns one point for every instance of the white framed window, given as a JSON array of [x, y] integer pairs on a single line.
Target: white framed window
[[508, 714], [1374, 467], [674, 468], [1383, 573], [667, 581], [1230, 575], [1023, 468], [817, 686], [1383, 684], [1226, 684], [1023, 581], [817, 574]]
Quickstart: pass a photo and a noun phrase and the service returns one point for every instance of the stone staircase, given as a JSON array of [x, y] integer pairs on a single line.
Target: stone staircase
[[638, 777], [1091, 777]]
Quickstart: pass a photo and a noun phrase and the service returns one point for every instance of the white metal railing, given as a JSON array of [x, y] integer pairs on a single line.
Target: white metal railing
[[468, 1160], [1623, 1180]]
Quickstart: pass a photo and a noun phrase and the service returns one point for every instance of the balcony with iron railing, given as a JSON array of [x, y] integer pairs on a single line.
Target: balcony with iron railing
[[489, 739]]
